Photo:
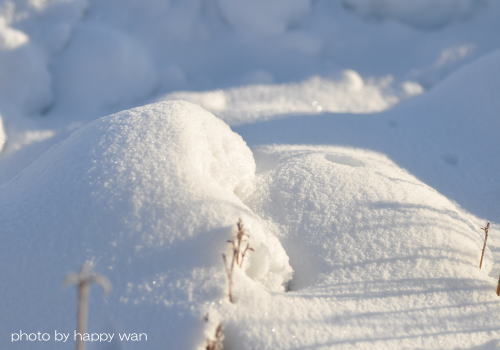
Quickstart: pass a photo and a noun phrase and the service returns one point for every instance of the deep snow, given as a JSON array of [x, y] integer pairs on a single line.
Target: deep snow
[[356, 140], [151, 199], [381, 260]]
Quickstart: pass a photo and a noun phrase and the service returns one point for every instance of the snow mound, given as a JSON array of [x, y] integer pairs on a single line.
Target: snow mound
[[349, 93], [343, 193], [447, 137], [150, 195], [381, 260]]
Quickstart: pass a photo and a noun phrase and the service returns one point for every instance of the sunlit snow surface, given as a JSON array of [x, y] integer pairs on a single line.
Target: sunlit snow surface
[[357, 140]]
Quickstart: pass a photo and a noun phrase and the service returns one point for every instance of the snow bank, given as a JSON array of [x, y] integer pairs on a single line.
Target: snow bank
[[349, 93], [381, 260], [150, 195]]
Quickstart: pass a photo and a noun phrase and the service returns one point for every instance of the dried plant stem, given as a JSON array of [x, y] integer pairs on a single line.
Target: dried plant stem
[[247, 249], [82, 313], [216, 344], [83, 280], [485, 229], [229, 275], [498, 286], [238, 256]]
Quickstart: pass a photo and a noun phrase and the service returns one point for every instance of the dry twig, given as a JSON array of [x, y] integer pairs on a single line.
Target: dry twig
[[238, 256], [498, 286], [485, 229], [83, 280], [217, 342]]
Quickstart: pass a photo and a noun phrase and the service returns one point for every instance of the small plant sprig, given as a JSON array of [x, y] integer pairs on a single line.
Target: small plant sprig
[[217, 342], [83, 280], [498, 286], [485, 229], [238, 255]]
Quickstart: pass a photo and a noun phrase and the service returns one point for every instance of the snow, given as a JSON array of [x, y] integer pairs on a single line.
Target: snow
[[425, 135], [347, 93], [463, 107], [427, 14], [30, 32], [24, 78], [273, 17], [102, 68], [380, 259], [356, 141], [138, 191], [48, 23]]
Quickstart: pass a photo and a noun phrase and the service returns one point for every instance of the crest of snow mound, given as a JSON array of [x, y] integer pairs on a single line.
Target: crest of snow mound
[[150, 195], [352, 204]]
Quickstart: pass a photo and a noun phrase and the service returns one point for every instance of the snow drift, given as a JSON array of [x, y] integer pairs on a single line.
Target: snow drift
[[150, 195], [381, 260], [348, 93], [449, 136]]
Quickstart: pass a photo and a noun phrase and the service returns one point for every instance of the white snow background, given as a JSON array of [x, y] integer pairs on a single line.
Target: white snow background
[[357, 140]]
